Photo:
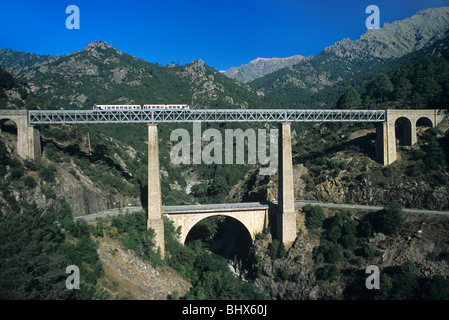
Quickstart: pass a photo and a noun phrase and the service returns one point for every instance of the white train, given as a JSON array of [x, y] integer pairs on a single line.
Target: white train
[[139, 107]]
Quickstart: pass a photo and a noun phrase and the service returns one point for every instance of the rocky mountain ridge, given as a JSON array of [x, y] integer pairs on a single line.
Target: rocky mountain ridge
[[350, 62], [261, 66], [15, 61], [100, 73], [398, 38]]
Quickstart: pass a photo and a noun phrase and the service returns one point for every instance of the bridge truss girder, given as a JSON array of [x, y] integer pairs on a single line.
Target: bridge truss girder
[[203, 115]]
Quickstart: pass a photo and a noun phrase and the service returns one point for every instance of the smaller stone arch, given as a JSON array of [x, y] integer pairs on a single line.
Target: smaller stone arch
[[424, 122]]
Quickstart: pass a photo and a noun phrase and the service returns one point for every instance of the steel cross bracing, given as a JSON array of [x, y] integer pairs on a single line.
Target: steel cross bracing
[[203, 115]]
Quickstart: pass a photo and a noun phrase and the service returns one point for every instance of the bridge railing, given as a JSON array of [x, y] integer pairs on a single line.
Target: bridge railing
[[203, 115]]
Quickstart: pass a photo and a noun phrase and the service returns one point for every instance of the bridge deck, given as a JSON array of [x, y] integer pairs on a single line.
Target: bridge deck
[[213, 115], [205, 208], [182, 209]]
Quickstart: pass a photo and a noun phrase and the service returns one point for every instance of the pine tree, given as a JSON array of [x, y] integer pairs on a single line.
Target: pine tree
[[380, 88], [350, 99]]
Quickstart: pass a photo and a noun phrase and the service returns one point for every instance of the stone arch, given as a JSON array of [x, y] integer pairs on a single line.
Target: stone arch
[[5, 126], [255, 220], [234, 238], [3, 120], [193, 222], [403, 131], [424, 122]]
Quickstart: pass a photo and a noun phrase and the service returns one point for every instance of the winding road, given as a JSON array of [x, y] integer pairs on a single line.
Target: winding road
[[206, 207]]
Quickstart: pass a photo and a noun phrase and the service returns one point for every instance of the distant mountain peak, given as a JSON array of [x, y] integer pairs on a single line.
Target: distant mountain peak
[[99, 44], [259, 67]]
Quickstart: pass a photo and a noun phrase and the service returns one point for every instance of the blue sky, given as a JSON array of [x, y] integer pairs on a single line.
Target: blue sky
[[222, 33]]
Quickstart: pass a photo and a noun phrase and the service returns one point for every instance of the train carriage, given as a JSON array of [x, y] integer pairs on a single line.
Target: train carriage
[[166, 107], [116, 107], [101, 107]]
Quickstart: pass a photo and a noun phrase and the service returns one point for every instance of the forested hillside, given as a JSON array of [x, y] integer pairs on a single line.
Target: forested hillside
[[101, 74], [89, 168], [318, 82], [341, 73]]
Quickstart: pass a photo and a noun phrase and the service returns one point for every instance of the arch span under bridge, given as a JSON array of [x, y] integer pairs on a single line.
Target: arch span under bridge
[[253, 215], [28, 146]]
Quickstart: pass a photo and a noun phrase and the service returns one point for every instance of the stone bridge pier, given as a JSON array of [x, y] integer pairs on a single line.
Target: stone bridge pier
[[255, 220], [28, 137]]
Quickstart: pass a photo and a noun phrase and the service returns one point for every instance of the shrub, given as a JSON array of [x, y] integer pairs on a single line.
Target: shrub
[[365, 229], [29, 182], [276, 249], [314, 216], [331, 253], [369, 250], [328, 272], [349, 241], [389, 220], [47, 173]]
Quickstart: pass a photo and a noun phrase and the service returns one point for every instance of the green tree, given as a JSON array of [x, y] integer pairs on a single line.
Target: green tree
[[436, 288], [369, 250], [402, 90], [380, 88], [6, 80], [350, 99], [314, 216], [390, 219], [276, 249], [430, 89], [30, 267], [328, 272]]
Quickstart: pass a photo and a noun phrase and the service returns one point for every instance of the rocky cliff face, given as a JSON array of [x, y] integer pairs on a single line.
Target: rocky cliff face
[[290, 278], [70, 184], [415, 194], [81, 193], [129, 276]]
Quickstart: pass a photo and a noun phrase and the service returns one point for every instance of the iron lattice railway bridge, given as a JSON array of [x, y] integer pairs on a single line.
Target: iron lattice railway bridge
[[204, 115], [283, 219]]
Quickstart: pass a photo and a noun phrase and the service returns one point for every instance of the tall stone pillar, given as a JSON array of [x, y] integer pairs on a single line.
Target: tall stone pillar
[[286, 222], [34, 143], [386, 141], [413, 134], [155, 220]]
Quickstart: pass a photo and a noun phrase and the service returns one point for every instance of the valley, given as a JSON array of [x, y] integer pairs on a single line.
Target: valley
[[86, 169]]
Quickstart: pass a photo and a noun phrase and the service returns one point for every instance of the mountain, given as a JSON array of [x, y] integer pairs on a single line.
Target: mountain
[[259, 67], [99, 73], [15, 61], [102, 74], [318, 81], [398, 38]]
